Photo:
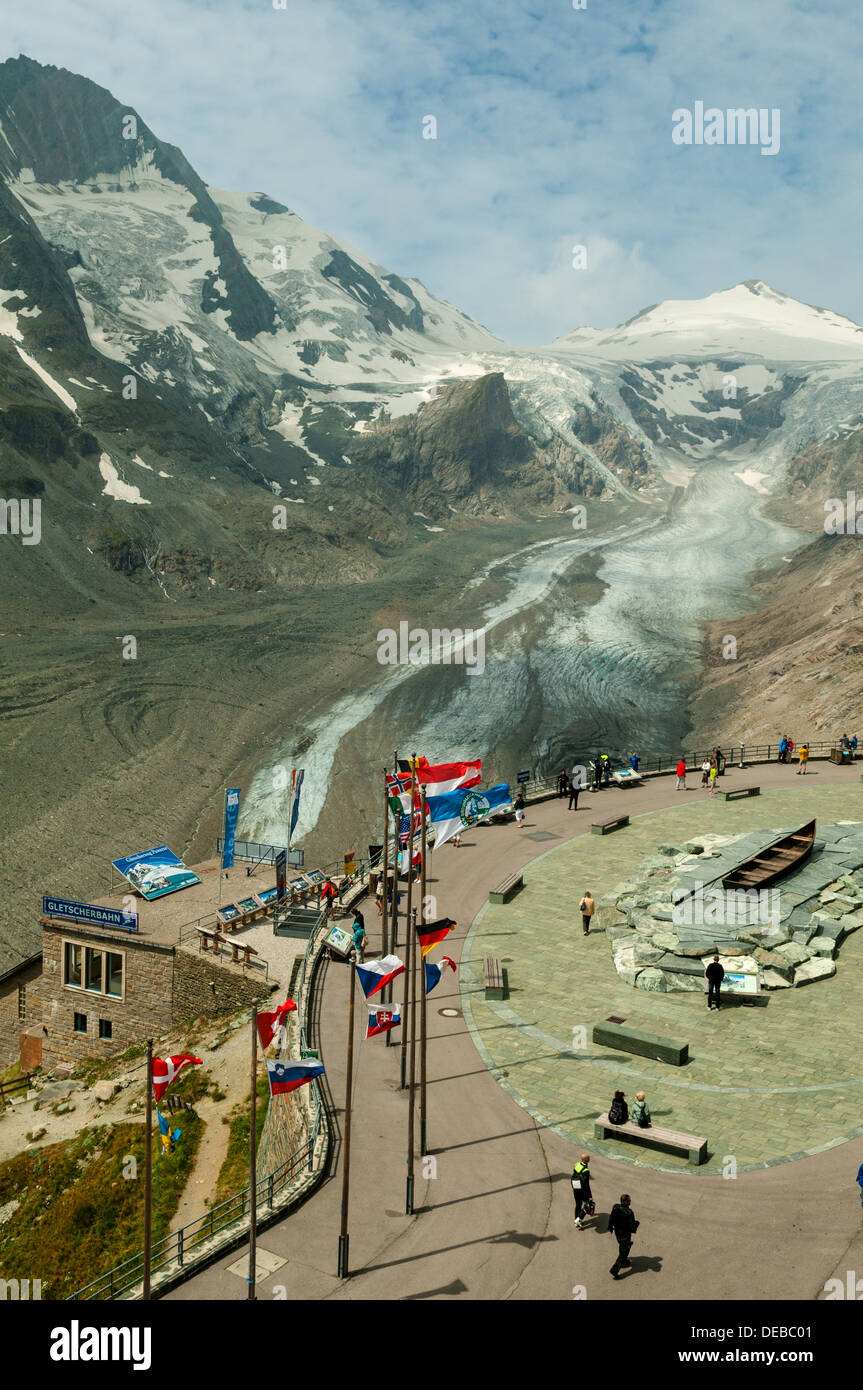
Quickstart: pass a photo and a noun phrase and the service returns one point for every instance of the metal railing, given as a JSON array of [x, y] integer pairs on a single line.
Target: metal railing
[[258, 853], [13, 1087]]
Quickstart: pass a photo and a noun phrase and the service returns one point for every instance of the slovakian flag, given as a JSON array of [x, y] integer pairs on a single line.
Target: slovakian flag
[[434, 971], [167, 1135], [430, 933], [458, 810], [289, 1076], [374, 974], [382, 1020], [165, 1072], [270, 1025], [445, 777]]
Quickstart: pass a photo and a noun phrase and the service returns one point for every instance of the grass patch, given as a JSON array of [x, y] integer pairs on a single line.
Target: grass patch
[[79, 1215], [234, 1172]]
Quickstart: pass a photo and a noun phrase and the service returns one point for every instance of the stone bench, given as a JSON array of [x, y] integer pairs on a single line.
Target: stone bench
[[733, 792], [494, 977], [691, 1144], [605, 827], [511, 884], [676, 1054]]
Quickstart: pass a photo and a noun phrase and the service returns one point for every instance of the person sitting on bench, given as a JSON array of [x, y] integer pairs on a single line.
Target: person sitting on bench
[[618, 1111], [640, 1113]]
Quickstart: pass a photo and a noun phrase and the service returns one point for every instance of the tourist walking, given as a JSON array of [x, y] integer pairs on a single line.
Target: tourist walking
[[618, 1111], [705, 772], [519, 811], [584, 1203], [623, 1225], [639, 1113], [681, 775], [328, 894], [586, 907], [715, 975], [803, 757]]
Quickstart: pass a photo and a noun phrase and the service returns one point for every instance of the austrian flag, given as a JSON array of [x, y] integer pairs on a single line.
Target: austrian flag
[[166, 1071]]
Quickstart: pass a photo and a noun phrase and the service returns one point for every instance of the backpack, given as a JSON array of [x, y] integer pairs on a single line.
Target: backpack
[[618, 1112]]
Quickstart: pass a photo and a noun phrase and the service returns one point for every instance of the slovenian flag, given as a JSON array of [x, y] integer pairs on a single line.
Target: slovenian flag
[[374, 974], [166, 1071], [382, 1020], [458, 810], [429, 934], [289, 1076], [434, 971], [446, 777], [269, 1025]]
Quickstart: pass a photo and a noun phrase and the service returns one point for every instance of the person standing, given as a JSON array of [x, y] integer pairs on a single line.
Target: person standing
[[783, 749], [623, 1225], [587, 907], [606, 769], [581, 1190], [573, 796], [634, 760], [597, 773], [562, 783], [681, 775], [358, 941], [860, 1182], [711, 781], [519, 811], [715, 975], [803, 757], [705, 772], [328, 893]]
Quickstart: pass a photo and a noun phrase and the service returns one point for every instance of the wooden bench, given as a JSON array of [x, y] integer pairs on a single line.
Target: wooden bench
[[691, 1144], [494, 977], [505, 890], [732, 793], [208, 934], [643, 1044], [605, 827], [247, 952]]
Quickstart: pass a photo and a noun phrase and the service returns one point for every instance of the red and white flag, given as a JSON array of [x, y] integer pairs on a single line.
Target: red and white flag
[[166, 1070], [270, 1025]]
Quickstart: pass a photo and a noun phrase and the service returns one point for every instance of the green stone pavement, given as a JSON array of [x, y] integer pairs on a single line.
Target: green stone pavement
[[763, 1085]]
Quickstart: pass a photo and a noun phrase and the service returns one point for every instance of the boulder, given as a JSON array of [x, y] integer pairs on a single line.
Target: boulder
[[738, 965], [106, 1090], [771, 979], [662, 911], [630, 974], [652, 979], [624, 957], [669, 849], [852, 921], [65, 1109], [665, 939], [771, 960], [677, 981], [813, 970], [57, 1091], [646, 954], [793, 952], [692, 848], [822, 947]]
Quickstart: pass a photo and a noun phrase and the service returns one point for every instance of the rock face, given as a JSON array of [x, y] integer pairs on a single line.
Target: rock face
[[663, 937], [56, 1091]]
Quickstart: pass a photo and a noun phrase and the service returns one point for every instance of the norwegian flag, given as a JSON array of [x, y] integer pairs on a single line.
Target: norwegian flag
[[166, 1070], [399, 793], [270, 1025]]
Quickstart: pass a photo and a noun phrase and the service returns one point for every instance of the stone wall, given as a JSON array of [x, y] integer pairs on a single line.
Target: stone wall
[[145, 1010], [11, 1024], [204, 989]]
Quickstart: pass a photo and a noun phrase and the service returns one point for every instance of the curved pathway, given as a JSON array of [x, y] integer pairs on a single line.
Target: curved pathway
[[494, 1211]]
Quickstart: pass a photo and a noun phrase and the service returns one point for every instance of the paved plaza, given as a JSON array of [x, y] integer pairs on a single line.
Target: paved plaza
[[763, 1084]]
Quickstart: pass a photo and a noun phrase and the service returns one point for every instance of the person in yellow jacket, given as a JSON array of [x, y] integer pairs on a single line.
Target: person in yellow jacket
[[803, 756]]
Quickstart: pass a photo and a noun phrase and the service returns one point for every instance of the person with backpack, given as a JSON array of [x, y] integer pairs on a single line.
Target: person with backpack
[[640, 1112], [618, 1111], [584, 1203], [623, 1225], [715, 975], [328, 893], [586, 907]]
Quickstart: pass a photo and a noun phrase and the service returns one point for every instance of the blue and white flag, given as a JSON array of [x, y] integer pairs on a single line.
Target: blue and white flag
[[458, 810], [232, 811]]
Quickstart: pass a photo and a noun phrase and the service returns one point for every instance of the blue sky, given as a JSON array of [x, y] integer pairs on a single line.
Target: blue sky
[[553, 129]]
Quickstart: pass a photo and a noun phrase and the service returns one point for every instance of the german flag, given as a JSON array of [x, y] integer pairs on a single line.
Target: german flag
[[430, 933]]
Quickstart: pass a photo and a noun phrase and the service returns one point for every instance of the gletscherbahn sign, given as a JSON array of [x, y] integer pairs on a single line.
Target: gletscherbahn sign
[[89, 914]]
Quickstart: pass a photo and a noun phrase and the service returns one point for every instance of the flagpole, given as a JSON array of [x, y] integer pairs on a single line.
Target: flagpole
[[253, 1157], [148, 1172], [409, 987], [423, 1132], [344, 1238], [385, 883], [409, 1191]]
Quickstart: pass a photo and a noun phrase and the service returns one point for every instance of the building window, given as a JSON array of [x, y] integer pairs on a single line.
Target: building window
[[80, 1024], [22, 1002], [106, 1028], [72, 972], [99, 972]]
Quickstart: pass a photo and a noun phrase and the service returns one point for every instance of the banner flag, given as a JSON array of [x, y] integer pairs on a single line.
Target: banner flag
[[296, 785], [446, 777], [166, 1070], [429, 934], [374, 974], [270, 1025], [382, 1020], [458, 810], [287, 1076], [434, 971], [281, 875], [232, 812]]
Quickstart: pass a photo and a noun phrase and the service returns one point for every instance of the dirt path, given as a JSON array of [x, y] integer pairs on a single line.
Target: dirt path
[[228, 1067]]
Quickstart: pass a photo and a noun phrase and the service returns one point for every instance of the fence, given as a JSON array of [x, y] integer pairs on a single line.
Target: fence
[[653, 763], [8, 1089], [200, 1237]]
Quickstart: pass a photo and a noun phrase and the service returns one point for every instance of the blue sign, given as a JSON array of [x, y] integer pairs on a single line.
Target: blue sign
[[523, 776], [155, 872], [89, 914], [232, 811]]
